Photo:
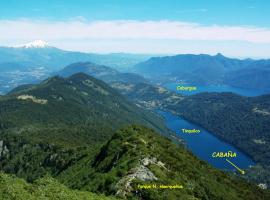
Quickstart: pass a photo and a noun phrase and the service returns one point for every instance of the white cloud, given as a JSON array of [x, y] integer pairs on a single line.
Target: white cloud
[[170, 37], [80, 29]]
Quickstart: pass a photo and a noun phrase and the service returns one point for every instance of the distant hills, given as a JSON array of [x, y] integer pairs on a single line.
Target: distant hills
[[206, 70], [253, 77], [102, 72]]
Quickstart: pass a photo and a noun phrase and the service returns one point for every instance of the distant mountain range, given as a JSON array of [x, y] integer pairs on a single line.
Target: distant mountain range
[[41, 54], [207, 70], [32, 62]]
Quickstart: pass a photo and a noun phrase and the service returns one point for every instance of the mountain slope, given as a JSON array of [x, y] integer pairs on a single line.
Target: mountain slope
[[80, 97], [136, 156], [47, 127]]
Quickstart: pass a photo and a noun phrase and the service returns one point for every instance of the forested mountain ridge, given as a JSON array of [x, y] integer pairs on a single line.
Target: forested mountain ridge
[[62, 116], [80, 97], [137, 156], [133, 159]]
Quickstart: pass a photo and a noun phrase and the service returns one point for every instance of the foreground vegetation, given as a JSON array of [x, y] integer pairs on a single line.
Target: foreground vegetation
[[46, 188]]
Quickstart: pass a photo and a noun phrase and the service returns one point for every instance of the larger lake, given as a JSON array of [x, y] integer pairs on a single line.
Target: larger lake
[[218, 88], [203, 144]]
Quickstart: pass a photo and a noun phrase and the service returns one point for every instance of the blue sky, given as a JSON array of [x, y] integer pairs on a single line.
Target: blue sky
[[171, 26], [223, 12]]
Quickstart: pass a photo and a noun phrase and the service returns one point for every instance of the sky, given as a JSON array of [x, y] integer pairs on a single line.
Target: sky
[[237, 28]]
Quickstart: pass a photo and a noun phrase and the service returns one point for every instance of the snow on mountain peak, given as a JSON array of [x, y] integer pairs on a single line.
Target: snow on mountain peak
[[35, 44]]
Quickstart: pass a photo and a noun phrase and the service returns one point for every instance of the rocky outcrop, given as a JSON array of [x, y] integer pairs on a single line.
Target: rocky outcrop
[[3, 149], [140, 172]]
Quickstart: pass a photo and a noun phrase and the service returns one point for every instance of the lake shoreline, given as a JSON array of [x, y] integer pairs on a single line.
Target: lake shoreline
[[204, 154]]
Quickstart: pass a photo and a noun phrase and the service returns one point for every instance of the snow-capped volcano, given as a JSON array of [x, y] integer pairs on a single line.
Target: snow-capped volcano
[[35, 44]]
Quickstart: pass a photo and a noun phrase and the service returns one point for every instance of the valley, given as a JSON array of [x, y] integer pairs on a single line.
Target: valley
[[62, 124], [228, 116]]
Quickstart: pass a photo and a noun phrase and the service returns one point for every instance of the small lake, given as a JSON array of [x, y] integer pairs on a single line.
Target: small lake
[[203, 144], [217, 88]]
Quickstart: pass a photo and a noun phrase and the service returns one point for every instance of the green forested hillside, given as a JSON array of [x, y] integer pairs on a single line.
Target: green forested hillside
[[47, 127], [47, 188], [79, 99], [137, 156]]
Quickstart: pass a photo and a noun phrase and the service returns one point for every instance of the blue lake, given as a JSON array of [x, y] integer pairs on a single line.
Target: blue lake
[[203, 144], [217, 88]]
